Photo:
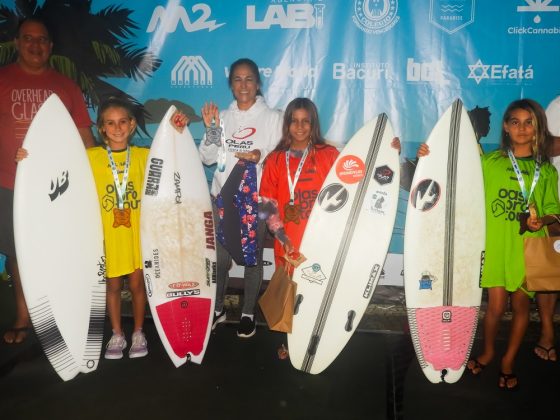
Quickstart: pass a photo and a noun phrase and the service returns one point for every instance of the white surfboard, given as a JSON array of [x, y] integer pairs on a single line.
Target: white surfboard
[[345, 243], [444, 247], [59, 242], [178, 244], [553, 116]]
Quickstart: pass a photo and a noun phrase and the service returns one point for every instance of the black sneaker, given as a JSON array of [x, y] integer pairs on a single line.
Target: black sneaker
[[246, 327], [218, 319]]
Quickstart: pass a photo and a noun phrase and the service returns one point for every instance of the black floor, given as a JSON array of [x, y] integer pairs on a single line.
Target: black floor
[[375, 377]]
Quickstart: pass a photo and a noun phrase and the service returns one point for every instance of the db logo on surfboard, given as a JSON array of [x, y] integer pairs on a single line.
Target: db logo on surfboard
[[350, 169]]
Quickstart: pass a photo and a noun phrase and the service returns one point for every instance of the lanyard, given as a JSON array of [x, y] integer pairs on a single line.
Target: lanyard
[[520, 176], [120, 186], [292, 184], [222, 149]]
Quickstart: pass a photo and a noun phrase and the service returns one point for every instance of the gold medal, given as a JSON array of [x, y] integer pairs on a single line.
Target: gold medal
[[291, 213], [533, 211], [121, 217]]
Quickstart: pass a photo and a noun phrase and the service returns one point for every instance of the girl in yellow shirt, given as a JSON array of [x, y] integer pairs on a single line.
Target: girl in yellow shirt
[[118, 169]]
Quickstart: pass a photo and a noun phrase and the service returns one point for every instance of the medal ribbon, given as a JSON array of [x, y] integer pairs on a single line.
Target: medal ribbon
[[292, 184], [520, 179], [120, 186], [222, 149]]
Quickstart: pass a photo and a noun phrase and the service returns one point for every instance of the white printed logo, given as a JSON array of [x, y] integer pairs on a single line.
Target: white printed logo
[[290, 16], [536, 6], [313, 274], [349, 164], [425, 72], [375, 16], [480, 71], [168, 18], [361, 71], [284, 72], [191, 71], [451, 15]]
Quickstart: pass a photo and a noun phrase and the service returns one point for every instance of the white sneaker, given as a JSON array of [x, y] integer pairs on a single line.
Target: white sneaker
[[218, 319], [115, 347], [139, 347]]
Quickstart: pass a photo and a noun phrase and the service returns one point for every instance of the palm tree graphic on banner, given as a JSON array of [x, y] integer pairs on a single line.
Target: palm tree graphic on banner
[[88, 47]]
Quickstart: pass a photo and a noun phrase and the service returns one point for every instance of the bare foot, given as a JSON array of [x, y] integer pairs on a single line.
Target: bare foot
[[16, 335]]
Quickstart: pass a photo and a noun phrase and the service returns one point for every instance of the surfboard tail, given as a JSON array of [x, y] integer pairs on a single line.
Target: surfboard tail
[[443, 336], [184, 322], [51, 339]]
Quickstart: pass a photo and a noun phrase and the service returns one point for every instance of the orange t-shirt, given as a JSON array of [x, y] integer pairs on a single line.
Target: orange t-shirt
[[274, 185]]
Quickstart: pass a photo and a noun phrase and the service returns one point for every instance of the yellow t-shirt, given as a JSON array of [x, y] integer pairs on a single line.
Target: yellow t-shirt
[[122, 234]]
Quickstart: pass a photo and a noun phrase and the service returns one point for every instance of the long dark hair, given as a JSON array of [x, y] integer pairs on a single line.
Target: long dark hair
[[252, 66], [308, 105], [543, 138]]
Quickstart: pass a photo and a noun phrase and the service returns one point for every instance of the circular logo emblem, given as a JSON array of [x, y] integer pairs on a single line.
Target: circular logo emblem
[[333, 197], [425, 195], [556, 246], [243, 133], [375, 16], [350, 169]]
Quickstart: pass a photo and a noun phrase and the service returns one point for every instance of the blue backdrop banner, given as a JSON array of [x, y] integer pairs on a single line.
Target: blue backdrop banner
[[354, 58]]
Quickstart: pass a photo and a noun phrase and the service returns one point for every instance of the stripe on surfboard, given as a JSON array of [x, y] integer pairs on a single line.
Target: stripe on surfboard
[[51, 339], [345, 244], [94, 341], [450, 202]]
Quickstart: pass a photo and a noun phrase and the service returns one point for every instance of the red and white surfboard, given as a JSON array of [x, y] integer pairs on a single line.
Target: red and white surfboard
[[178, 243]]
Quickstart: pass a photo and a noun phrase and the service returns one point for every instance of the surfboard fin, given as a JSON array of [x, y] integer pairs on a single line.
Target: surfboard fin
[[299, 299], [351, 315], [313, 343]]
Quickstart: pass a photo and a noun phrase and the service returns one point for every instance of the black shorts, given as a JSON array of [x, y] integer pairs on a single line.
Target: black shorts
[[7, 246]]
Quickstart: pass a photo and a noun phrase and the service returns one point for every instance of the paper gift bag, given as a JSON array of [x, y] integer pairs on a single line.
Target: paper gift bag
[[542, 264], [277, 302]]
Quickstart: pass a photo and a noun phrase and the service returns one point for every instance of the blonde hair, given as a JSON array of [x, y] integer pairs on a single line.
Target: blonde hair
[[114, 102]]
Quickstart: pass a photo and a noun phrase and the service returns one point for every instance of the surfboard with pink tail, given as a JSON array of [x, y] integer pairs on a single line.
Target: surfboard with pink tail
[[444, 247]]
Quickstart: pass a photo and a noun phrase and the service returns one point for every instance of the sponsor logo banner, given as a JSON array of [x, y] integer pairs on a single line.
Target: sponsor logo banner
[[500, 73], [167, 19], [292, 15], [451, 15], [375, 16], [191, 71]]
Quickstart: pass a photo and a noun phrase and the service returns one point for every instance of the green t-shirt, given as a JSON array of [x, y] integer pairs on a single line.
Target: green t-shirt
[[504, 263]]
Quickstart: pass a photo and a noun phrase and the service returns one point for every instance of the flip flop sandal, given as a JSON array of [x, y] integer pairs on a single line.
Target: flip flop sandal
[[505, 377], [548, 351], [476, 365]]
